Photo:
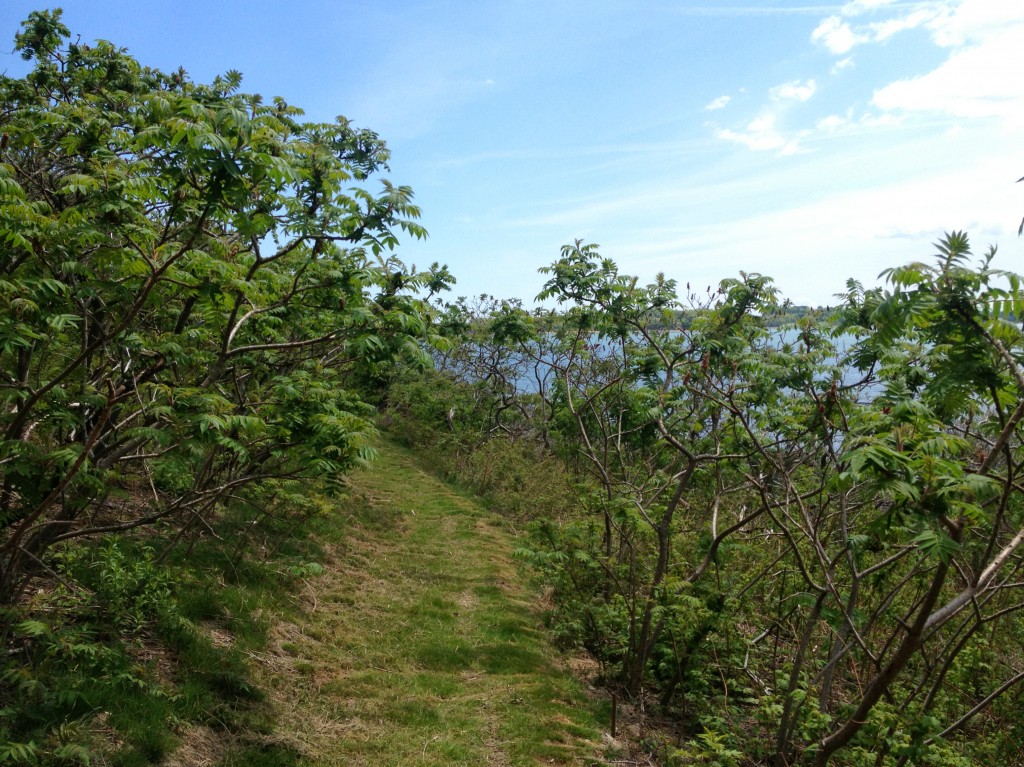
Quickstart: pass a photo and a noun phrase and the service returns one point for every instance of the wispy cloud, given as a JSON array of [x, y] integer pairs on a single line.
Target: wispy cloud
[[880, 31], [856, 7], [905, 215], [761, 10], [973, 82], [796, 90], [761, 135], [976, 80], [974, 21], [842, 64], [952, 23], [832, 123], [886, 219], [837, 36], [718, 103]]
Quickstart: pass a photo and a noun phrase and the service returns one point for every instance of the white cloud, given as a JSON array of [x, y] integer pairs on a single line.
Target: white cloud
[[810, 248], [836, 35], [857, 7], [832, 123], [974, 21], [982, 80], [842, 64], [718, 103], [761, 135], [883, 30], [795, 90], [847, 122], [840, 37], [881, 120], [979, 78]]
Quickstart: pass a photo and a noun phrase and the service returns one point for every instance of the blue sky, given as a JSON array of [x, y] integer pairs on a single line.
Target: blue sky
[[809, 142]]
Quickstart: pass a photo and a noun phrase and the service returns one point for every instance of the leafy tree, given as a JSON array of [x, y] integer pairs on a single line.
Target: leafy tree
[[640, 404], [806, 541], [191, 278], [938, 452]]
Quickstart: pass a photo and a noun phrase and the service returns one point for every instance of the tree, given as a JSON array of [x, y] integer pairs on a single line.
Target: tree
[[641, 410], [190, 278], [841, 498], [938, 450]]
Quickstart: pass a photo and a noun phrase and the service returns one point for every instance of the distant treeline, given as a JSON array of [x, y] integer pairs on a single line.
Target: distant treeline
[[787, 315]]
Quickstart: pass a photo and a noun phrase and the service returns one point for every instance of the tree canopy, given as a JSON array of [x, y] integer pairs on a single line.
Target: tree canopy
[[192, 280]]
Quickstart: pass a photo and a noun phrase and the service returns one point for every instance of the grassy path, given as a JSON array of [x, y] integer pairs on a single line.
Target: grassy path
[[420, 644]]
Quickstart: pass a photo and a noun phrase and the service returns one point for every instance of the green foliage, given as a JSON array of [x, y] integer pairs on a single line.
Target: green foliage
[[804, 543], [708, 748], [795, 539], [199, 296], [194, 288], [126, 589], [128, 656]]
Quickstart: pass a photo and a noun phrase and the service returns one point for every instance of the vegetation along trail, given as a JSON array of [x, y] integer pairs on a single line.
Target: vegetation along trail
[[419, 644]]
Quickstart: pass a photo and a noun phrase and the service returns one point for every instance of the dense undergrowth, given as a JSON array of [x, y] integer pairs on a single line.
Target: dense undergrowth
[[797, 545], [128, 646]]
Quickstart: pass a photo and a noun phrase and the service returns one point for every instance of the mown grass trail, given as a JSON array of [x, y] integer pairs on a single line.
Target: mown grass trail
[[420, 644]]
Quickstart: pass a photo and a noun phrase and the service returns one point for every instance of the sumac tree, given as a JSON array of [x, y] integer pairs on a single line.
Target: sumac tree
[[189, 280]]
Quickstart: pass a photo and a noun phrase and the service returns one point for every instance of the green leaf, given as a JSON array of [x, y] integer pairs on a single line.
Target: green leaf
[[935, 544]]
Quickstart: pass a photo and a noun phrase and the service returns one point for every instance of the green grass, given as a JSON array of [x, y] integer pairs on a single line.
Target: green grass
[[420, 645], [416, 644], [127, 660]]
